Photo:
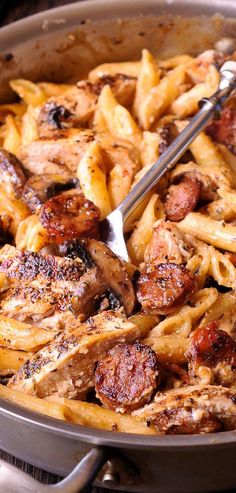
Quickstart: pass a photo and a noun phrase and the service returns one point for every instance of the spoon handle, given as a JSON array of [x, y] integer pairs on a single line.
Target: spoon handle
[[170, 157]]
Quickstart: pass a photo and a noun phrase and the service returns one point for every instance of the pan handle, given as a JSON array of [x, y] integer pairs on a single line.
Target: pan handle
[[12, 480]]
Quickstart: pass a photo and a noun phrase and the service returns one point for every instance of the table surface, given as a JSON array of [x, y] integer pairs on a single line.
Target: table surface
[[11, 10]]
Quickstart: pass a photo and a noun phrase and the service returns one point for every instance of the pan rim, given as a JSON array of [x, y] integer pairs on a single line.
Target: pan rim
[[96, 436], [28, 29]]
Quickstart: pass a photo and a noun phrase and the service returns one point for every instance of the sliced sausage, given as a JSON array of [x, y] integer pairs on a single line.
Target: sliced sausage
[[164, 288], [223, 130], [182, 199], [69, 216], [11, 173], [127, 377], [209, 346]]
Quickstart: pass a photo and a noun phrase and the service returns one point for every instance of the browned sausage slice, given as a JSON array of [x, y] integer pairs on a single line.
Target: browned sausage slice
[[69, 216], [215, 349], [223, 129], [182, 199], [127, 377], [164, 288]]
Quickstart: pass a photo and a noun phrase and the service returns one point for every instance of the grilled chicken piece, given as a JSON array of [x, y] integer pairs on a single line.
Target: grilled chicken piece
[[12, 176], [44, 283], [77, 106], [167, 244], [60, 154], [212, 356], [193, 409], [41, 283], [66, 366], [29, 266]]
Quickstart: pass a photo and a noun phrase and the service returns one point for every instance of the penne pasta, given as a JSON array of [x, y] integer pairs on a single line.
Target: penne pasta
[[162, 95], [169, 348], [35, 404], [31, 235], [149, 77], [142, 233], [31, 93], [21, 336], [127, 68], [11, 361], [118, 119], [92, 176], [187, 103], [94, 416], [12, 137], [217, 233]]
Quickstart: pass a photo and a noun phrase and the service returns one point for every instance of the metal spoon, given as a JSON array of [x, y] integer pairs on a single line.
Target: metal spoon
[[113, 226]]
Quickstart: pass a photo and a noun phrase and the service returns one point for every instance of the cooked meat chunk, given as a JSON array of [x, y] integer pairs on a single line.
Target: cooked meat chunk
[[41, 283], [223, 129], [69, 216], [182, 199], [167, 244], [60, 155], [113, 272], [12, 176], [214, 349], [66, 366], [193, 409], [44, 283], [164, 288], [38, 189], [168, 132], [76, 106], [29, 266], [126, 378]]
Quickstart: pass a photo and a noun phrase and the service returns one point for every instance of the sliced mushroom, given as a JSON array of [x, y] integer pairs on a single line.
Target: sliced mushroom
[[39, 188], [113, 273], [106, 283], [54, 116], [12, 176]]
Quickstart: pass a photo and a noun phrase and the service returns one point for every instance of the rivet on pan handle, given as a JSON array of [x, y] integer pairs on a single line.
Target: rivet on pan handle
[[12, 480]]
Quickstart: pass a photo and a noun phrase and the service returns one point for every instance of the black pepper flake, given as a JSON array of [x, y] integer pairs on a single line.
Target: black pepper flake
[[7, 57]]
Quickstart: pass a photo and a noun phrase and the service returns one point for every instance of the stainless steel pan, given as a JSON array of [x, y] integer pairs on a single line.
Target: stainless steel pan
[[63, 44]]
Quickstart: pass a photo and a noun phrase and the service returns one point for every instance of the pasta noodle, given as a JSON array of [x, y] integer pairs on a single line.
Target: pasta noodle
[[118, 119], [92, 176], [31, 235], [142, 233], [217, 233]]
